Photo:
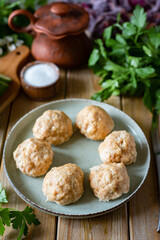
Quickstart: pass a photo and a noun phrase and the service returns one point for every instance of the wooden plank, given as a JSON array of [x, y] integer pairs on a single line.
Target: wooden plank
[[144, 205], [106, 227], [4, 118], [48, 223], [82, 84], [9, 65]]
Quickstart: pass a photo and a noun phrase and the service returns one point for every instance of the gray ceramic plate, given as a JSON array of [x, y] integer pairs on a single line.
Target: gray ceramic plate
[[80, 151]]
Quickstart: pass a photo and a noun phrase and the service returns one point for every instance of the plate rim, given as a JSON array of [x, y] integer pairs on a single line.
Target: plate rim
[[75, 216]]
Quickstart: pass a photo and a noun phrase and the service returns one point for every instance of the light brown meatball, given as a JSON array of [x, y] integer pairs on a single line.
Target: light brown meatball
[[94, 122], [119, 146], [33, 157], [53, 126], [64, 184], [109, 181]]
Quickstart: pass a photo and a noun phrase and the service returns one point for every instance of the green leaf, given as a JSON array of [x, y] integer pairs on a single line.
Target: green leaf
[[111, 66], [2, 228], [23, 230], [20, 219], [17, 219], [155, 39], [133, 79], [42, 2], [93, 57], [139, 17], [116, 92], [114, 44], [28, 39], [157, 104], [118, 52], [126, 88], [130, 62], [29, 216], [107, 83], [147, 99], [98, 70], [4, 215], [102, 95], [128, 30], [118, 17], [29, 4], [5, 78], [102, 50], [107, 33], [3, 197], [97, 97], [133, 61], [147, 51], [120, 39], [145, 72]]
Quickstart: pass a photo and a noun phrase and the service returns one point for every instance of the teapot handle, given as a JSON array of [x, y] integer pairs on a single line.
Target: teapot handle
[[26, 13]]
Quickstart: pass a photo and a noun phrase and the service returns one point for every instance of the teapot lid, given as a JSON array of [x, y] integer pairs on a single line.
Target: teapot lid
[[61, 19]]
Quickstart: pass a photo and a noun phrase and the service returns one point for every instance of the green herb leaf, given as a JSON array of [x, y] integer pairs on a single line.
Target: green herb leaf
[[4, 215], [30, 216], [139, 17], [19, 219], [94, 57], [101, 48], [128, 30], [147, 51], [145, 72], [133, 79], [157, 104], [147, 99], [154, 39], [107, 33], [3, 197], [2, 228], [120, 39], [129, 61]]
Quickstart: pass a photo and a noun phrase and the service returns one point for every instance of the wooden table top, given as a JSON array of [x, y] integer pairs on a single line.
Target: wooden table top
[[135, 220]]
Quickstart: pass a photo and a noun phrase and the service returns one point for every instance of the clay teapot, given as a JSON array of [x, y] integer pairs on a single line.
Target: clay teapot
[[58, 30]]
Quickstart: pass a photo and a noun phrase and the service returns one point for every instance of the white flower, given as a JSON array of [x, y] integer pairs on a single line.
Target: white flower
[[8, 39], [11, 47], [2, 42], [19, 42]]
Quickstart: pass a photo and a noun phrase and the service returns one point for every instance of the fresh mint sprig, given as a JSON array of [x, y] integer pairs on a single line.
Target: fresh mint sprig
[[128, 61]]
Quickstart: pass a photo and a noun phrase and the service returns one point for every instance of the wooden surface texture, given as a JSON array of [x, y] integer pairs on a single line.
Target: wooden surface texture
[[135, 220], [9, 65]]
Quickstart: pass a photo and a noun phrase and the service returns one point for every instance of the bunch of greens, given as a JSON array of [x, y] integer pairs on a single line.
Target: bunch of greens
[[128, 60], [4, 83], [6, 8], [18, 219]]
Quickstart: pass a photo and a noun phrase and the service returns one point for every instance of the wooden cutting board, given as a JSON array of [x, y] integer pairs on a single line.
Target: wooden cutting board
[[10, 65]]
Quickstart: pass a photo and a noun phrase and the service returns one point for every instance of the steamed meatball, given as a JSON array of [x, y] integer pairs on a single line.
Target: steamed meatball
[[33, 157], [94, 122], [119, 146], [53, 126], [109, 181], [64, 184]]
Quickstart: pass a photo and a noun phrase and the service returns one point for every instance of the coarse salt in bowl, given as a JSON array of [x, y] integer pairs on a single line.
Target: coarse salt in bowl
[[40, 79]]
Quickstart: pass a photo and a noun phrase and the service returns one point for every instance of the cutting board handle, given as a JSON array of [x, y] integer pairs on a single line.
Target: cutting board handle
[[9, 65]]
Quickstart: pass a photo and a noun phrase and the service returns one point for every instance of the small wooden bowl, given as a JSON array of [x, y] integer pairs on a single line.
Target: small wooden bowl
[[40, 93]]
